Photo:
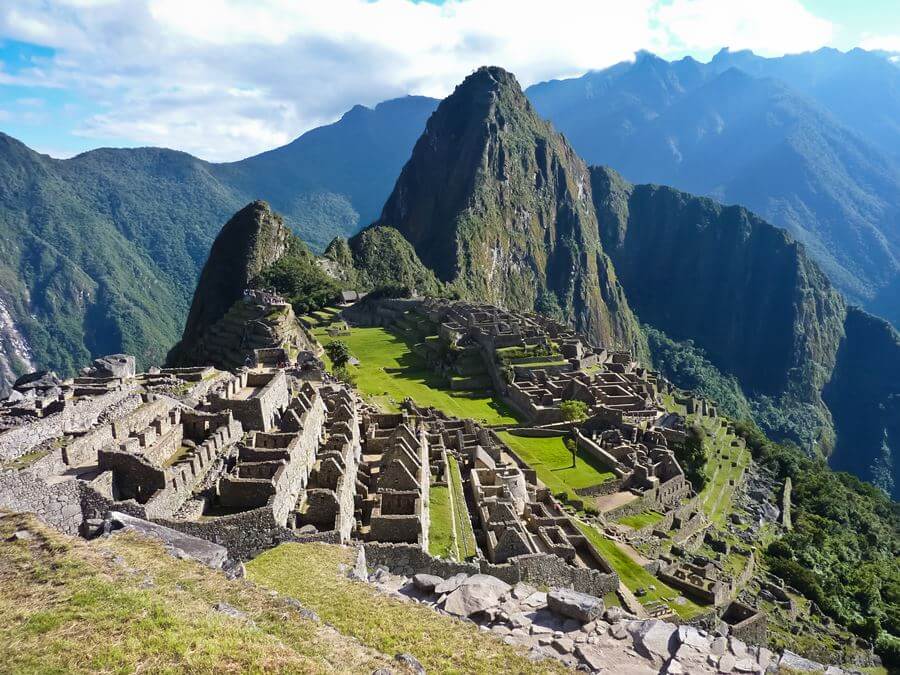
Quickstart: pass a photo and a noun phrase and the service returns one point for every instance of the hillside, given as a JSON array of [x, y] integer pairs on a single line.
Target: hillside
[[101, 252], [762, 312], [160, 614], [808, 142], [498, 205]]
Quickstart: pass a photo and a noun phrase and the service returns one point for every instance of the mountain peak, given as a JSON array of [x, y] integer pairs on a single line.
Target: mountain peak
[[497, 204], [254, 238]]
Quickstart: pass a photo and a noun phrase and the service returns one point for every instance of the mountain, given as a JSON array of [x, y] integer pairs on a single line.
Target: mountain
[[810, 142], [101, 252], [499, 206], [745, 292]]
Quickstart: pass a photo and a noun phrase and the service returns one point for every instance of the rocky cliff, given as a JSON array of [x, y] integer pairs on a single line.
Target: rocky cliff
[[746, 293], [499, 206]]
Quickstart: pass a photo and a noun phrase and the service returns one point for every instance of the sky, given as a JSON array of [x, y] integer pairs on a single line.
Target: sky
[[226, 79]]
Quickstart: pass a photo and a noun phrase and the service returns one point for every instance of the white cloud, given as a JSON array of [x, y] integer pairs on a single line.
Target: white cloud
[[228, 78], [888, 43]]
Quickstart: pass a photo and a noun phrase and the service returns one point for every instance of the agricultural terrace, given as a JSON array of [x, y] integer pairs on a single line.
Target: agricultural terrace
[[634, 576], [390, 371], [552, 461], [725, 466]]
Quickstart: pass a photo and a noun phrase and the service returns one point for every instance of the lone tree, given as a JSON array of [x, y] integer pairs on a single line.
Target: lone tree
[[574, 411], [339, 353]]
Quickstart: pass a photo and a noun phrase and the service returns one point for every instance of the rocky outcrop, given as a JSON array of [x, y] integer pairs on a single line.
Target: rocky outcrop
[[499, 206], [251, 241]]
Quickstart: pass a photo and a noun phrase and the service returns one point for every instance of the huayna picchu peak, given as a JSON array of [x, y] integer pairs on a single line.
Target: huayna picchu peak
[[499, 206], [534, 417]]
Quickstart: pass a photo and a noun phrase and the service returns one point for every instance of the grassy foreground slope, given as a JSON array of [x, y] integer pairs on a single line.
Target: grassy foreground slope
[[441, 643], [124, 605]]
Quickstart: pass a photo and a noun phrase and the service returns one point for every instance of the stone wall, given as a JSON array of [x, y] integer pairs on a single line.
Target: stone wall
[[58, 505], [82, 414], [537, 569]]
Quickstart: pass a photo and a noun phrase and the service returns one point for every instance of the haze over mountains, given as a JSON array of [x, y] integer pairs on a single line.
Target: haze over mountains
[[101, 252]]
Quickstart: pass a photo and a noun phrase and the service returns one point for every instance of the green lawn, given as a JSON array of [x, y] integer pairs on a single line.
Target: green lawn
[[634, 576], [552, 461], [641, 520], [389, 371], [441, 534], [465, 537]]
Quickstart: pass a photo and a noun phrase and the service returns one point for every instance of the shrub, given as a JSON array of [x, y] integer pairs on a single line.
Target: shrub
[[574, 411]]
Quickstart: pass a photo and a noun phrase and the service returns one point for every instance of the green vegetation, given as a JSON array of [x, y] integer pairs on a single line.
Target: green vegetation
[[634, 576], [465, 537], [385, 624], [125, 605], [441, 530], [574, 411], [299, 278], [552, 461], [843, 552], [641, 520], [389, 371], [338, 353], [725, 464]]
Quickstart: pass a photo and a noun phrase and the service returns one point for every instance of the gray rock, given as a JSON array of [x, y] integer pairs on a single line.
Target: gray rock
[[450, 584], [575, 605], [613, 614], [791, 660], [764, 657], [519, 620], [536, 600], [426, 582], [674, 667], [718, 646], [618, 631], [522, 590], [21, 535], [180, 544], [688, 635], [745, 666], [591, 656], [726, 663], [307, 529], [738, 648], [410, 662], [228, 610], [654, 639], [476, 594], [563, 645], [113, 365]]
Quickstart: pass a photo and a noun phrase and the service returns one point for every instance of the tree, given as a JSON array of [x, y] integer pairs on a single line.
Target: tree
[[339, 354], [693, 457], [574, 411]]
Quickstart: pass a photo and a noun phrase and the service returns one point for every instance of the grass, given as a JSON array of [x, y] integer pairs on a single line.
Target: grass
[[389, 372], [124, 605], [552, 461], [442, 644], [465, 537], [641, 520], [716, 497], [441, 531], [634, 576], [27, 459]]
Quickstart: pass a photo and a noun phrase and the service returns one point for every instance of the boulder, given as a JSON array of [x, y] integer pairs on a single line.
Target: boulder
[[451, 583], [688, 635], [113, 365], [575, 605], [726, 663], [426, 582], [796, 662], [591, 656], [653, 639], [411, 662], [180, 544], [476, 594], [40, 379]]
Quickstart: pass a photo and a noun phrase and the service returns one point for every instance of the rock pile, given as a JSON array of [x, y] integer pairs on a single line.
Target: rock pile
[[583, 633]]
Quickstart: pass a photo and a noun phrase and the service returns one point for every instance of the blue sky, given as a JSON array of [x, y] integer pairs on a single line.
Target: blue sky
[[224, 79]]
